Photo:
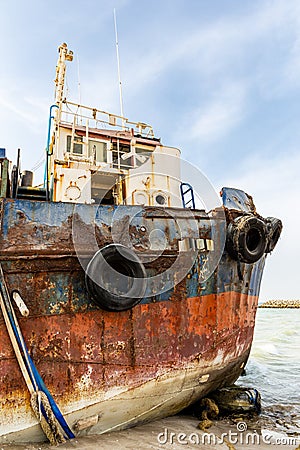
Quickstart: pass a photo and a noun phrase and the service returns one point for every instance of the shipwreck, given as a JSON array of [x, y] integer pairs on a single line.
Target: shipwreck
[[123, 299]]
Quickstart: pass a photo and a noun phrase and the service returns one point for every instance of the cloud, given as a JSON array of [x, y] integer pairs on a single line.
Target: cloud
[[220, 115], [291, 71], [23, 123], [30, 117], [222, 43], [227, 66]]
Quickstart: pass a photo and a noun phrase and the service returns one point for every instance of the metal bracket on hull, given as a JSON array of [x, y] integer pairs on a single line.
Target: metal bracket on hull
[[47, 412]]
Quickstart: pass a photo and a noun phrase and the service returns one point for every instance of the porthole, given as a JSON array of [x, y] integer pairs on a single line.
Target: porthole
[[160, 199], [140, 198], [73, 192]]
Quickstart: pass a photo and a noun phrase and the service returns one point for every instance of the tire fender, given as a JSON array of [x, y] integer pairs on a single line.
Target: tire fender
[[115, 278], [246, 239], [274, 227]]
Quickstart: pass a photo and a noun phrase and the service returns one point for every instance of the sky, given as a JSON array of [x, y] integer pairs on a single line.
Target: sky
[[218, 79]]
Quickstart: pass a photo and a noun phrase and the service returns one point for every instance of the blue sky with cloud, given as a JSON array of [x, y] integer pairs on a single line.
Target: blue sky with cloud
[[220, 80]]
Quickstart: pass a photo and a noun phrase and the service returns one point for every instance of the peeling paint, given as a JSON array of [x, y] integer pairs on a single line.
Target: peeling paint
[[88, 356]]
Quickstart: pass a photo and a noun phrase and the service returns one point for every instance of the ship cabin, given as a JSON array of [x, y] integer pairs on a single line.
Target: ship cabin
[[97, 157]]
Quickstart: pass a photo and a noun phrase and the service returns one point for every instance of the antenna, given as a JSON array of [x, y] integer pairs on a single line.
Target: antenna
[[119, 72], [79, 88], [78, 77]]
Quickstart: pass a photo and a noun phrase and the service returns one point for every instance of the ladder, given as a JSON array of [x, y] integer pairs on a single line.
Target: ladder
[[187, 195]]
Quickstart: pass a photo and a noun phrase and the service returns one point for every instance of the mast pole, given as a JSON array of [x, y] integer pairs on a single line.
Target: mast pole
[[64, 55]]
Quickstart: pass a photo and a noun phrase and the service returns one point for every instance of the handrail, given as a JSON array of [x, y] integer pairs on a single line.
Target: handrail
[[113, 120]]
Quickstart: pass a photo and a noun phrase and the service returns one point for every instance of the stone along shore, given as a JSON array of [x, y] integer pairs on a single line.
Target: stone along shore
[[281, 304]]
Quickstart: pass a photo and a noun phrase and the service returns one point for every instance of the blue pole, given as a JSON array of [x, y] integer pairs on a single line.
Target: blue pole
[[46, 176]]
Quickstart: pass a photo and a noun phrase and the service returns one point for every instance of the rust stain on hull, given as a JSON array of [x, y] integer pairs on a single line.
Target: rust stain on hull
[[86, 355], [162, 336]]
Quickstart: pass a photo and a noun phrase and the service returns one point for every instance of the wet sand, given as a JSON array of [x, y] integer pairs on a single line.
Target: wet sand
[[179, 432]]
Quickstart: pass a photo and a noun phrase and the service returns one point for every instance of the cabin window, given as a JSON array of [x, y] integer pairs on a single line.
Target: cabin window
[[77, 146], [142, 155], [104, 188], [119, 156], [98, 151]]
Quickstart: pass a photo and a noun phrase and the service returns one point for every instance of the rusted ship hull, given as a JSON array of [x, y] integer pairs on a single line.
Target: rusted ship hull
[[109, 370]]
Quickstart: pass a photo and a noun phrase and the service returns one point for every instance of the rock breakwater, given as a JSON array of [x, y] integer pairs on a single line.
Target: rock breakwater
[[281, 304]]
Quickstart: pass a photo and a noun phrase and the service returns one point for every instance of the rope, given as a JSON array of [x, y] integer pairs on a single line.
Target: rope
[[43, 404], [49, 424]]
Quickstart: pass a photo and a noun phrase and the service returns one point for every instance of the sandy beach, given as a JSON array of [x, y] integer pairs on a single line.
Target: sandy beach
[[176, 433]]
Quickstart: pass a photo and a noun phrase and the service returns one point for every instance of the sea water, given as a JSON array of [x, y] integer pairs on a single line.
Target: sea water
[[274, 365]]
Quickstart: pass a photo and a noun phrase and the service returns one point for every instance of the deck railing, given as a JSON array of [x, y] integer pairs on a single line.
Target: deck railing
[[95, 118]]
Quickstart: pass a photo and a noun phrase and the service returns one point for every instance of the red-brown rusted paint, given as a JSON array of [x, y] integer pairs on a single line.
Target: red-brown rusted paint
[[83, 352], [128, 347]]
